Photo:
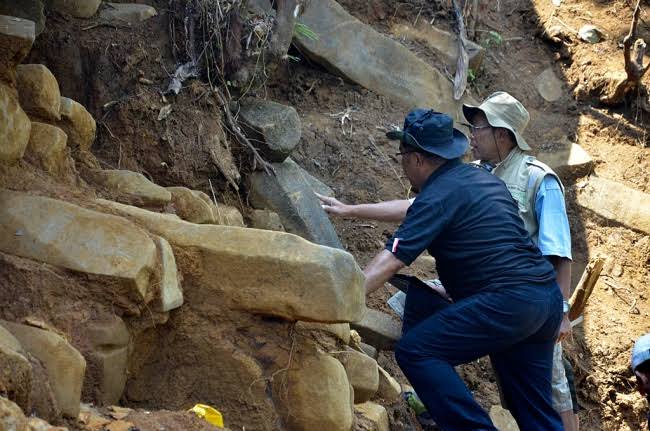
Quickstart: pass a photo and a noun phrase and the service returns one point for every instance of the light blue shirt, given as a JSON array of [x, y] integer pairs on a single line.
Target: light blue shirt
[[554, 234]]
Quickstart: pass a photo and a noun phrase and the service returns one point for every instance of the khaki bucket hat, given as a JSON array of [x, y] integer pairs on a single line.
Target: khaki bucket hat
[[503, 110]]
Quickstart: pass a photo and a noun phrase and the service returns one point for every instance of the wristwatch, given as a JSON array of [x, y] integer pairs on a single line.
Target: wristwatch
[[565, 307]]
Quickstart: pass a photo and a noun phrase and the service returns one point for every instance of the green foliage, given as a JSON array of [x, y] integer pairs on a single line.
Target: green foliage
[[305, 31], [471, 75], [493, 38]]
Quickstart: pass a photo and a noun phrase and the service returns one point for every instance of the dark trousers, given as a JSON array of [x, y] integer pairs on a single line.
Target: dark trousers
[[517, 328]]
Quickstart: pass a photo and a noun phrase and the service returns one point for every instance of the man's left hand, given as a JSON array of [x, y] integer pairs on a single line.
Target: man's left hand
[[565, 328]]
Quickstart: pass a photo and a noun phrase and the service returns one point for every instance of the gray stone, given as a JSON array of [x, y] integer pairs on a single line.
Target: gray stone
[[616, 202], [129, 13], [288, 194], [573, 160], [369, 350], [356, 51], [267, 220], [378, 329], [362, 372], [16, 38], [549, 85], [274, 128], [31, 10], [314, 183]]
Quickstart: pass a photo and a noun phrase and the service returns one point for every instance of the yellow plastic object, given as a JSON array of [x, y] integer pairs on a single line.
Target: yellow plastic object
[[208, 413]]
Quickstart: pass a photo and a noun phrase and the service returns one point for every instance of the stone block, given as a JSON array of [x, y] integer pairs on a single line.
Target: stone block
[[273, 128], [389, 389], [170, 295], [109, 339], [314, 183], [64, 364], [16, 39], [132, 185], [341, 331], [77, 122], [15, 371], [222, 214], [570, 161], [66, 235], [113, 368], [15, 127], [267, 220], [264, 272], [362, 373], [375, 414], [11, 417], [371, 59], [191, 207], [369, 350], [39, 91], [616, 202], [291, 196], [126, 13], [76, 8], [48, 147], [378, 329]]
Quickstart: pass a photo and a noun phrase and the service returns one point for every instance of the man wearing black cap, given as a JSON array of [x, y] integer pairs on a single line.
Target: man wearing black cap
[[506, 303]]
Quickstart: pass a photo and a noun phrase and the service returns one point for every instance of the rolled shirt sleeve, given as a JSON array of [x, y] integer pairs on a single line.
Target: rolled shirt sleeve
[[554, 233]]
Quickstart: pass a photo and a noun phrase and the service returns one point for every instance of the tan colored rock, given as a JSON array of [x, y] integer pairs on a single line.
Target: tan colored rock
[[190, 206], [171, 295], [573, 160], [318, 396], [126, 13], [616, 202], [11, 417], [37, 424], [64, 364], [15, 127], [362, 373], [62, 234], [502, 419], [76, 8], [341, 331], [267, 220], [375, 413], [223, 214], [16, 38], [389, 389], [39, 91], [77, 122], [15, 370], [110, 339], [132, 184], [48, 147], [266, 272]]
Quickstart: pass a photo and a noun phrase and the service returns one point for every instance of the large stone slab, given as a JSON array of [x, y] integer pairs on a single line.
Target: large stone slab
[[62, 234], [16, 38], [291, 196], [39, 91], [126, 13], [48, 147], [64, 364], [28, 10], [15, 370], [378, 329], [363, 374], [354, 50], [314, 183], [15, 127], [265, 272], [77, 122], [376, 414], [132, 185], [76, 8], [573, 160], [616, 202], [273, 128]]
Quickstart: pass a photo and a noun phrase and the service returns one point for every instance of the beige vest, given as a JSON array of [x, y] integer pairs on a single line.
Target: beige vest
[[523, 174]]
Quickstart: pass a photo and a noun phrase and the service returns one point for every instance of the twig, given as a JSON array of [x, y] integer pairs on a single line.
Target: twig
[[214, 198], [460, 79]]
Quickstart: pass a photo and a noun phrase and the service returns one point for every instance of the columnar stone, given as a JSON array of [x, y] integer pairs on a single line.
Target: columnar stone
[[274, 128], [362, 373], [48, 146], [62, 234], [126, 13], [170, 295], [378, 329], [110, 340], [133, 185], [264, 272], [15, 127], [314, 183], [76, 8], [573, 160], [376, 414], [39, 91], [389, 389], [341, 331], [267, 220], [15, 370], [64, 364], [77, 122], [16, 38]]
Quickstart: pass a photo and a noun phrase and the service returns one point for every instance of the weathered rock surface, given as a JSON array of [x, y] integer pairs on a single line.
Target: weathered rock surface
[[318, 396], [132, 184], [16, 38], [362, 373], [48, 147], [616, 202], [64, 364], [15, 370], [375, 413], [314, 183], [371, 59], [29, 10], [222, 214], [369, 350], [171, 295], [62, 234], [77, 122], [573, 160], [549, 85], [389, 389], [288, 194], [189, 206], [378, 329], [274, 128], [37, 424], [267, 220], [341, 331], [39, 91], [76, 8], [129, 13], [15, 127], [263, 271], [502, 419], [12, 417]]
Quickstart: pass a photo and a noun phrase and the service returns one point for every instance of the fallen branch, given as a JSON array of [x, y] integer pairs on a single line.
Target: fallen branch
[[460, 79], [585, 287]]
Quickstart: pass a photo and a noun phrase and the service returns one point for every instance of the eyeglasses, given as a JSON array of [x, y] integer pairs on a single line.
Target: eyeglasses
[[472, 127]]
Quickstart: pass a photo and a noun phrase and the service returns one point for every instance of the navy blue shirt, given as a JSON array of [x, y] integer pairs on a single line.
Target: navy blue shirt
[[468, 221]]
